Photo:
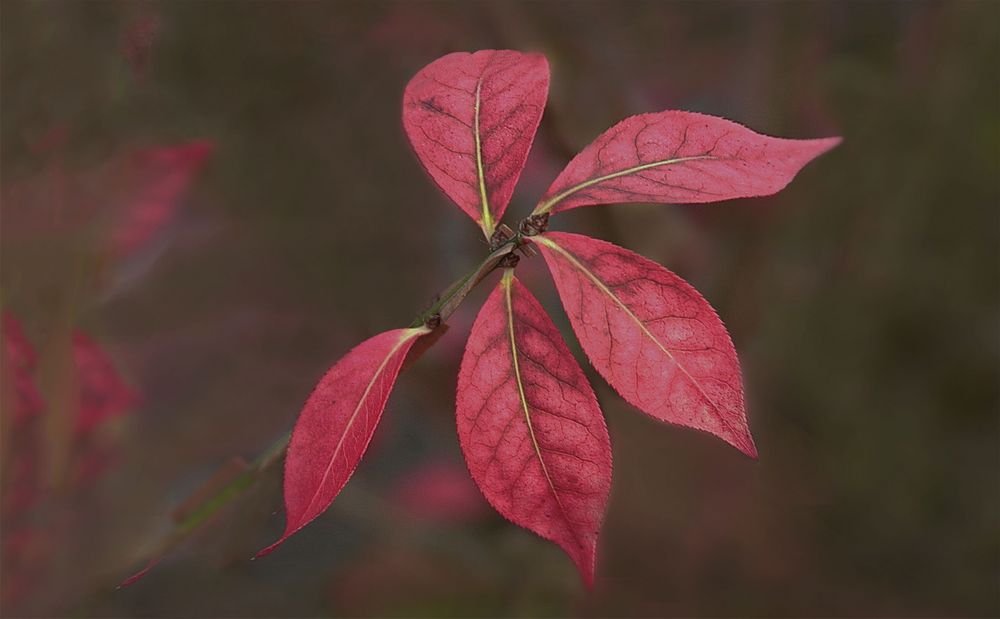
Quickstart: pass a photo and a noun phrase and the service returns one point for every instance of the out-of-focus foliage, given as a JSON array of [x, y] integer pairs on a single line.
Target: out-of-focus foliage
[[863, 300]]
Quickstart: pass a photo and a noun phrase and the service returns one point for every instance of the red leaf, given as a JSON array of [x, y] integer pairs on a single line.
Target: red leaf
[[103, 393], [530, 426], [134, 578], [439, 491], [17, 367], [651, 335], [471, 119], [18, 349], [161, 178], [679, 157], [336, 425]]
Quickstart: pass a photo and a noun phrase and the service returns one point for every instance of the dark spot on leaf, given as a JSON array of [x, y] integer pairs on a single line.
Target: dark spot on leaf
[[431, 106]]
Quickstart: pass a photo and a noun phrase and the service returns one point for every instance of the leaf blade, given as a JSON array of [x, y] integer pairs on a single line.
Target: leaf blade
[[337, 423], [471, 119], [686, 157], [542, 460], [162, 177], [629, 312]]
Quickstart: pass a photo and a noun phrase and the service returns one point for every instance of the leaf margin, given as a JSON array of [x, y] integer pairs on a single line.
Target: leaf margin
[[546, 205], [485, 216], [743, 439], [581, 551], [407, 336]]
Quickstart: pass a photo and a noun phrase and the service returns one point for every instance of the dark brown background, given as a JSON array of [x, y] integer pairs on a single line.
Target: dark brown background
[[863, 301]]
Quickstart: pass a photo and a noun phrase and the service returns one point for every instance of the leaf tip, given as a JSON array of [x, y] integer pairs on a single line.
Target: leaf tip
[[745, 443], [134, 578], [266, 551], [587, 568], [825, 145]]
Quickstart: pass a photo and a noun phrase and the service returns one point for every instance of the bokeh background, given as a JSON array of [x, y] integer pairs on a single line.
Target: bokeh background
[[205, 204]]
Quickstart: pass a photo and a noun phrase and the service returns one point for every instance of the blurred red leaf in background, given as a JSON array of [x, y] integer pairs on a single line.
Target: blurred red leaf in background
[[439, 491], [30, 540]]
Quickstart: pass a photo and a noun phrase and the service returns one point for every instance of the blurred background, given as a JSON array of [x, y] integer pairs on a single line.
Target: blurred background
[[204, 205]]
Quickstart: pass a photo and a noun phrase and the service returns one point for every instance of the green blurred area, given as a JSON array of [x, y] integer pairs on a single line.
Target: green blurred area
[[863, 301]]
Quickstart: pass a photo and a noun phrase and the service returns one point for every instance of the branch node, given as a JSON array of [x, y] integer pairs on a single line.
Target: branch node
[[501, 235], [527, 250], [534, 224], [509, 261]]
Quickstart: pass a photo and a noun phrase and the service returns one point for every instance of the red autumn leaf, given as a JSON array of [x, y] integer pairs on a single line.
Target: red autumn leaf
[[441, 492], [18, 349], [18, 368], [29, 542], [103, 393], [679, 157], [651, 335], [336, 425], [134, 578], [134, 195], [530, 426], [471, 119], [161, 177]]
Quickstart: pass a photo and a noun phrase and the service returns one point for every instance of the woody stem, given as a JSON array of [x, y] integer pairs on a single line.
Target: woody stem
[[452, 297], [438, 312]]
